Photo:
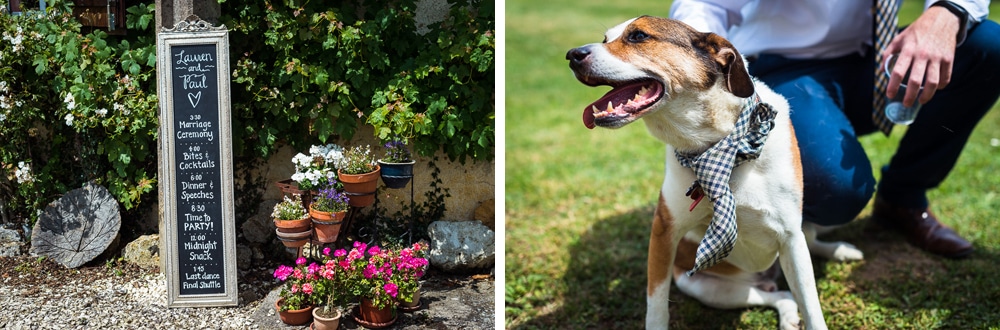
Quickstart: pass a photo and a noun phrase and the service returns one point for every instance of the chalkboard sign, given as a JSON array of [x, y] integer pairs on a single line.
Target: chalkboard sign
[[196, 172]]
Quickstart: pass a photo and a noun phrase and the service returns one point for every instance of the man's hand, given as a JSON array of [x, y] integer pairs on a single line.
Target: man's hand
[[927, 49]]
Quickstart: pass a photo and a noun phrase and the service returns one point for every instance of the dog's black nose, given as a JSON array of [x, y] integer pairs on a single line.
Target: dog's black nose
[[577, 55]]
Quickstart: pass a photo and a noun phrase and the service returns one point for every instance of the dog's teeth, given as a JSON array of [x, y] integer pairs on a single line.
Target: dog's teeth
[[611, 107], [643, 90], [637, 97]]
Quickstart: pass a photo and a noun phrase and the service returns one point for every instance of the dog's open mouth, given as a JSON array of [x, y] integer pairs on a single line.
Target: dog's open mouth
[[623, 104]]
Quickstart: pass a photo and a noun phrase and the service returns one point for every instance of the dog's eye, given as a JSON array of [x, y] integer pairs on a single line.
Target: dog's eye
[[637, 36]]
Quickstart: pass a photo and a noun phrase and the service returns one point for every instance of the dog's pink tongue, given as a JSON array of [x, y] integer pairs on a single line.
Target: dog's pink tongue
[[588, 118]]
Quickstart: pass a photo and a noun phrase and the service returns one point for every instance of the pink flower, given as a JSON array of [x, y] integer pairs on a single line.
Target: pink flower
[[374, 250], [313, 267], [300, 261], [326, 252], [391, 289], [360, 245], [282, 272], [355, 255], [297, 274], [295, 288], [328, 273], [307, 288], [340, 253], [370, 271]]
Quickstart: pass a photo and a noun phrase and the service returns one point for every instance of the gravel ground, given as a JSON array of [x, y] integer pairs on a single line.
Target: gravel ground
[[44, 295]]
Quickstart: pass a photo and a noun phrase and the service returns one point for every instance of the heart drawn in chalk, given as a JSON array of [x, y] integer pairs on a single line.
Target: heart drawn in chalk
[[194, 99]]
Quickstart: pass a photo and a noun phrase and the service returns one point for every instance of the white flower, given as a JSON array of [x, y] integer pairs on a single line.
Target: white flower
[[313, 176], [119, 107], [317, 150], [102, 111], [3, 117], [70, 101], [301, 161], [3, 86], [23, 172], [69, 119], [298, 177]]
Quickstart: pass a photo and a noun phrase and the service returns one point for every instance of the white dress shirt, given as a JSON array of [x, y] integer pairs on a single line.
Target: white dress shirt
[[794, 28]]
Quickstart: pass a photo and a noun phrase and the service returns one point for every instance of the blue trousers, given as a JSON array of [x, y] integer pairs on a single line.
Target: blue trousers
[[831, 104]]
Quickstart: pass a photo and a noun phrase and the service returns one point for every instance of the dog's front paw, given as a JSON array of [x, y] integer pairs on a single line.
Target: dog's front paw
[[847, 252], [788, 313]]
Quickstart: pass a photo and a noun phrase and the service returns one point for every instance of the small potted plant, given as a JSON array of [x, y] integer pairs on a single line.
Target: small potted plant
[[328, 211], [292, 221], [329, 292], [312, 171], [294, 304], [359, 174], [397, 164], [370, 279], [410, 267]]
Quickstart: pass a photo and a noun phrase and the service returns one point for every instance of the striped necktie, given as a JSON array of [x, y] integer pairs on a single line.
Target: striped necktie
[[886, 14]]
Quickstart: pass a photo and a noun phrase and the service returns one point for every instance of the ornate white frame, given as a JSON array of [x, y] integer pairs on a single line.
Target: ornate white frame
[[194, 31]]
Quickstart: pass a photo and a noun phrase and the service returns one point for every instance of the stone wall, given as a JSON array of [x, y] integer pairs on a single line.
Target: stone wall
[[469, 185]]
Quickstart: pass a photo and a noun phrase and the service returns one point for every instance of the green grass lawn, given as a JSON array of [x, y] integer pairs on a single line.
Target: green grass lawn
[[579, 204]]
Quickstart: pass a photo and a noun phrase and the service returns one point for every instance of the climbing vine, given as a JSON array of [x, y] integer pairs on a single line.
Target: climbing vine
[[74, 107], [322, 69], [78, 106]]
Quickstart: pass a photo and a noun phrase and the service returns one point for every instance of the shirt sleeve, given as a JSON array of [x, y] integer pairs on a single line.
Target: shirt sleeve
[[978, 9], [715, 16]]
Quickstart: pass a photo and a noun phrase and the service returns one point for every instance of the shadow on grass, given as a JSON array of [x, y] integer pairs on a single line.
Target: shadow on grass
[[903, 287], [897, 286], [606, 283]]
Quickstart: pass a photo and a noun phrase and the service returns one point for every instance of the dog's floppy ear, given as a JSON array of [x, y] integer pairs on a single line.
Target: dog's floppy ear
[[732, 67]]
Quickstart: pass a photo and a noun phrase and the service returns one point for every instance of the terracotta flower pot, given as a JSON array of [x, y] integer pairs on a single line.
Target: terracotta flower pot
[[372, 317], [413, 305], [360, 188], [293, 240], [321, 322], [293, 317], [294, 225], [326, 224]]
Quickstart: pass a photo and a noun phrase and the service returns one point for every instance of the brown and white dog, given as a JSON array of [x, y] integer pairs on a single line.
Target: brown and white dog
[[689, 88]]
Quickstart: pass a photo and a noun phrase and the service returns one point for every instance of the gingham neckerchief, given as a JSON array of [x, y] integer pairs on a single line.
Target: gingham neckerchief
[[713, 169]]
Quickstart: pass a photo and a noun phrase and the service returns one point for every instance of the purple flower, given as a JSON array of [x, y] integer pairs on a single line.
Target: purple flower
[[326, 251], [374, 250], [300, 261], [340, 253], [313, 268]]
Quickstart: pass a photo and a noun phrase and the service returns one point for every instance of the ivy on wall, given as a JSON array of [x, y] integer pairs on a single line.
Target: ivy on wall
[[311, 70], [76, 107]]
